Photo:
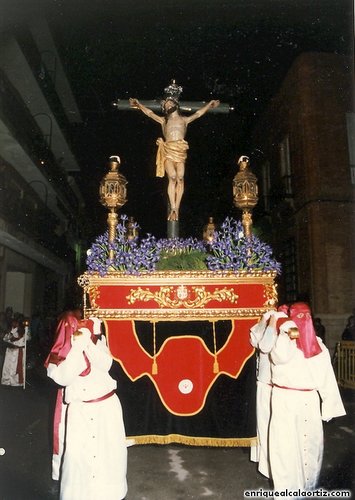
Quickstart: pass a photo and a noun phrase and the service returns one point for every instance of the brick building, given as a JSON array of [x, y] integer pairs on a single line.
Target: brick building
[[306, 183]]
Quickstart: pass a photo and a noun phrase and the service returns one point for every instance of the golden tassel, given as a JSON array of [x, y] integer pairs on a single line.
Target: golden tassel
[[155, 365], [215, 364]]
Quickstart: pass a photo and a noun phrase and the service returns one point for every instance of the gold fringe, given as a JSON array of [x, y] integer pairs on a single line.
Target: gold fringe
[[154, 368], [194, 441], [215, 366]]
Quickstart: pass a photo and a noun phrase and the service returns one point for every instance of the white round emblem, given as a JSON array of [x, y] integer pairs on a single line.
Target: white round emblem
[[185, 386]]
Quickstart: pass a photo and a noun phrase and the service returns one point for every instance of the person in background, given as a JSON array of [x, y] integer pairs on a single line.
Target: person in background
[[3, 324], [349, 331], [262, 338], [305, 392], [319, 329], [37, 329], [9, 316], [94, 457], [3, 331], [14, 361]]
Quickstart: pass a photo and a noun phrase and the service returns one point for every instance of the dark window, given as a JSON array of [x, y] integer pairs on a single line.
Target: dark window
[[285, 166], [290, 271]]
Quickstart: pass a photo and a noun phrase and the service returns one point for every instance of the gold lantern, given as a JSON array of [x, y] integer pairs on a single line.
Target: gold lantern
[[113, 196], [209, 230], [245, 193]]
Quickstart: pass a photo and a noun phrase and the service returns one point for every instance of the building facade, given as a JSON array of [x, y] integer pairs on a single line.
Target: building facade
[[40, 202], [306, 181]]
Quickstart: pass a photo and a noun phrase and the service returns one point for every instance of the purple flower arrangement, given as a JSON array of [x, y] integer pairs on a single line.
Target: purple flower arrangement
[[230, 250], [130, 255]]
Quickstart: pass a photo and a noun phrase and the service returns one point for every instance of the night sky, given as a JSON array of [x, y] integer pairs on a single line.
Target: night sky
[[237, 51]]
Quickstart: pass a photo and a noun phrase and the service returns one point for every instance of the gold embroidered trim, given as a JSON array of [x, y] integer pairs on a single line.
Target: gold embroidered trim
[[94, 293], [175, 298], [114, 277], [175, 314], [270, 294]]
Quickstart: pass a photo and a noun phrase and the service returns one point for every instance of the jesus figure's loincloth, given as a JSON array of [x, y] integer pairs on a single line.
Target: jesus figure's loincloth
[[175, 151]]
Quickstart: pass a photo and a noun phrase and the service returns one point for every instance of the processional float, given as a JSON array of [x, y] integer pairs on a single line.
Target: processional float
[[181, 337]]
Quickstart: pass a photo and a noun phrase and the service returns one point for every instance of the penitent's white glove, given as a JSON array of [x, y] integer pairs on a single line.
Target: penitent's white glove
[[266, 315], [80, 339], [97, 325]]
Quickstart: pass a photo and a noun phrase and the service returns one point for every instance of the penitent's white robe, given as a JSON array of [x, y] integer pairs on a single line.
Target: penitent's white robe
[[296, 429], [94, 462], [10, 374], [263, 339]]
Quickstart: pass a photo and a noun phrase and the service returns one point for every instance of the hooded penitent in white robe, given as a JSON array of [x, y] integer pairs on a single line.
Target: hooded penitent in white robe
[[305, 392], [262, 337], [94, 462], [14, 361]]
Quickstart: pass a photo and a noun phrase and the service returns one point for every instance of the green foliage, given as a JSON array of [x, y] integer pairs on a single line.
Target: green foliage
[[184, 261]]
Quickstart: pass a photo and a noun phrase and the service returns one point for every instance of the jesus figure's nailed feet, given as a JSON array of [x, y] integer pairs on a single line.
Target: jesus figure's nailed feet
[[173, 216]]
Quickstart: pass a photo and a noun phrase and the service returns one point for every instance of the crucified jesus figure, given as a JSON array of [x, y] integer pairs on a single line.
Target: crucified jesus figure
[[172, 152]]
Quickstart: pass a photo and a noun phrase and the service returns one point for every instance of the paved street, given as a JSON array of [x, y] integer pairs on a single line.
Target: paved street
[[154, 472]]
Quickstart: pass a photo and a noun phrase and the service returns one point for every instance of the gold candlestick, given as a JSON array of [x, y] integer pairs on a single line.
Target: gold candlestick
[[209, 230], [113, 196], [245, 193]]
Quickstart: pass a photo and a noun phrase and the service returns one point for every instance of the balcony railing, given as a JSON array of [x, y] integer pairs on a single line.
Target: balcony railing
[[345, 364], [27, 133], [26, 214], [44, 80]]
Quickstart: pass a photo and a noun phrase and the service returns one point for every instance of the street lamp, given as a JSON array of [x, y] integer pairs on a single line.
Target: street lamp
[[245, 193], [113, 196]]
